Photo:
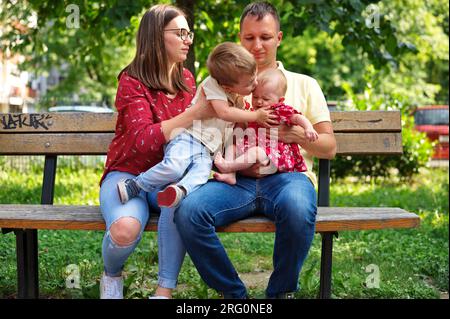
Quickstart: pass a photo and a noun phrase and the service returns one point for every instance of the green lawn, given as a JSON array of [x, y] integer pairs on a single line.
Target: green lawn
[[411, 263]]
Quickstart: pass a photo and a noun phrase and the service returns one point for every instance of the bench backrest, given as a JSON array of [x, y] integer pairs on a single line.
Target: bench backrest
[[53, 134], [357, 132]]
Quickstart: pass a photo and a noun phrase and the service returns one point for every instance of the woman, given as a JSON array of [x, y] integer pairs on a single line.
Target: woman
[[153, 94]]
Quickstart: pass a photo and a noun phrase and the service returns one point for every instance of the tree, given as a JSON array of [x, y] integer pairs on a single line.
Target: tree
[[419, 77], [103, 43]]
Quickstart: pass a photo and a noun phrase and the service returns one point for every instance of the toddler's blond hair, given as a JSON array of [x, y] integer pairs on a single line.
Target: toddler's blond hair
[[228, 61]]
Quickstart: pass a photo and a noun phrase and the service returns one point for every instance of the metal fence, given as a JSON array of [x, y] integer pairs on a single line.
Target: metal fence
[[26, 163]]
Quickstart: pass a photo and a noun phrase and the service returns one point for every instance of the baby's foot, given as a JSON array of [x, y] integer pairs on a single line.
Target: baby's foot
[[221, 163], [229, 178]]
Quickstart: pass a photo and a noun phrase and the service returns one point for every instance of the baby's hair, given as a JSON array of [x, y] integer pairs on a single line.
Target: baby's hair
[[228, 61], [274, 76]]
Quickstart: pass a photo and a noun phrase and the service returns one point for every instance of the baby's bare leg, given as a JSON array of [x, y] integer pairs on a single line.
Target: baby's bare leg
[[229, 178], [251, 156], [228, 167]]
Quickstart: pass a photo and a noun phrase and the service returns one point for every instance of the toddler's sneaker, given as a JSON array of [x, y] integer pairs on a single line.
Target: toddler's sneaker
[[170, 196], [111, 287], [127, 189]]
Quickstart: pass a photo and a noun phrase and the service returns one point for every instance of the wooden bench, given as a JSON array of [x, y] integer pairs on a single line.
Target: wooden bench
[[53, 134]]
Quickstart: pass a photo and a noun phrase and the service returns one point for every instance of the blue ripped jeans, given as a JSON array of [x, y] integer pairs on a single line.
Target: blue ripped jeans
[[289, 199], [186, 162], [171, 250]]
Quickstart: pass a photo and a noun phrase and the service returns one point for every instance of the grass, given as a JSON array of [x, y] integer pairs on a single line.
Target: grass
[[410, 263]]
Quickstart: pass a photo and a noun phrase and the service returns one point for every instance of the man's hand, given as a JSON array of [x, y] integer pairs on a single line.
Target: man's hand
[[258, 170], [287, 134]]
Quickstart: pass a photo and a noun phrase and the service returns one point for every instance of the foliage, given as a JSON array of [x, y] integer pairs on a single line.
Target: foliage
[[421, 77], [390, 46], [92, 54], [417, 149], [89, 55]]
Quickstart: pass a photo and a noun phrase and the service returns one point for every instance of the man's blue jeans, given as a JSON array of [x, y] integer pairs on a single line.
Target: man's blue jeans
[[289, 199]]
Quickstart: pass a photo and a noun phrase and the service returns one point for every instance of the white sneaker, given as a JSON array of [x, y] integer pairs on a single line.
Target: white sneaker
[[111, 287]]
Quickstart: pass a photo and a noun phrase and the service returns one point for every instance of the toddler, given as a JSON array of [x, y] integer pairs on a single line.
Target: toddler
[[187, 158]]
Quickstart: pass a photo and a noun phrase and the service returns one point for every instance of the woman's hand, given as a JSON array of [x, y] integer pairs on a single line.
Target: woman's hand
[[199, 111], [202, 109]]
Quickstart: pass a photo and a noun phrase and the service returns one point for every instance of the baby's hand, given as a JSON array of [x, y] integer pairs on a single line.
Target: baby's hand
[[311, 135]]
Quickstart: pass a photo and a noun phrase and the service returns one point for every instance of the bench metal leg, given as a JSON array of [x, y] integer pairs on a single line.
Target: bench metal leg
[[27, 263], [326, 265], [327, 237], [27, 239]]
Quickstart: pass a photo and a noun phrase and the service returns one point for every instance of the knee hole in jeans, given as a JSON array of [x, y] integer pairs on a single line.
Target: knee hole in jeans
[[125, 230]]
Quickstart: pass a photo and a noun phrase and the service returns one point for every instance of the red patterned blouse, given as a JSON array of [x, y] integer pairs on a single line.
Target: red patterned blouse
[[139, 140]]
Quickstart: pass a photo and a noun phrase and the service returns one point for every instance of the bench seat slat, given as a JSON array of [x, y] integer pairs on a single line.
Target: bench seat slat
[[89, 218]]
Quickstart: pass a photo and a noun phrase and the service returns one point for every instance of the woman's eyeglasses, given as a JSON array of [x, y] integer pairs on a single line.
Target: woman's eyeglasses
[[183, 33]]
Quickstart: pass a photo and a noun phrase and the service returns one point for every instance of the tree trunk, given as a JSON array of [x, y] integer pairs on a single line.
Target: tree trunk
[[188, 7]]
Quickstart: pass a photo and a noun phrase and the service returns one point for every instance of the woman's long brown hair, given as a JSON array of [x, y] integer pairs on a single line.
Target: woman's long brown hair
[[150, 65]]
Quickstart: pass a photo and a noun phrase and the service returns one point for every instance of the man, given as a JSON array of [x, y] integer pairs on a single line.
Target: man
[[289, 199]]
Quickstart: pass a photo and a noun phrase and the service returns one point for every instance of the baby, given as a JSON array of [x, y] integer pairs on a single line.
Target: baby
[[279, 156]]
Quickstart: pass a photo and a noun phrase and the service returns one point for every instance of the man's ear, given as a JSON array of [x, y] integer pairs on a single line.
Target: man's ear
[[279, 37]]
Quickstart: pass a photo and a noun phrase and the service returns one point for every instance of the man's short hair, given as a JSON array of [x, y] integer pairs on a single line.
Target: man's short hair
[[260, 10], [274, 76], [228, 61]]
